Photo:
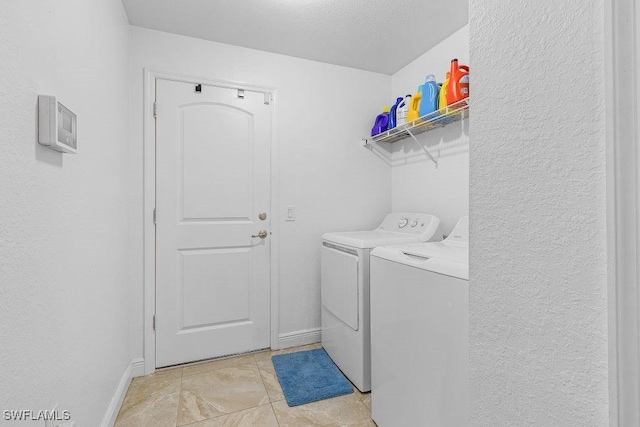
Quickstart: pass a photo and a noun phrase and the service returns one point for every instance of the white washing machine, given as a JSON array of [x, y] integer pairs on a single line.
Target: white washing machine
[[420, 332], [345, 288]]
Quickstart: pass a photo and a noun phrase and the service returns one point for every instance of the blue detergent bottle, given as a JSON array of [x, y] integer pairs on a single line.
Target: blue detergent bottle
[[382, 122], [430, 93], [392, 113]]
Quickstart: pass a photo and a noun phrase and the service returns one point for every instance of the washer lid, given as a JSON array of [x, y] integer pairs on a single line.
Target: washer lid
[[448, 251], [449, 261], [449, 257]]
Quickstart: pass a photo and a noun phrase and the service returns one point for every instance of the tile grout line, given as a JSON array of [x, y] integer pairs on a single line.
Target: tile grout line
[[273, 410], [265, 384], [227, 413], [255, 363], [275, 415], [223, 415], [262, 379], [179, 395]]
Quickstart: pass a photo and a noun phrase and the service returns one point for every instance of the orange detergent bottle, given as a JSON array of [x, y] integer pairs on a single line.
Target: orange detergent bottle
[[414, 109], [458, 88]]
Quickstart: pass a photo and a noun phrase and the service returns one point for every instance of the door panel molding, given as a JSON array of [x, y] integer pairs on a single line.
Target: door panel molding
[[149, 203], [228, 116], [184, 254]]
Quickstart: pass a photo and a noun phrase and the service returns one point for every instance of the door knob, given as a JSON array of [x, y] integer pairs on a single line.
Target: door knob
[[261, 234]]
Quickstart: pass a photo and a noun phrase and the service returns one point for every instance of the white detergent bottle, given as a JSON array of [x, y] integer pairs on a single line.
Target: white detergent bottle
[[403, 110]]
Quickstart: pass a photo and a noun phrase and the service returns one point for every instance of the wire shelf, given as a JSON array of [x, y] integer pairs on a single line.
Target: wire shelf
[[453, 113]]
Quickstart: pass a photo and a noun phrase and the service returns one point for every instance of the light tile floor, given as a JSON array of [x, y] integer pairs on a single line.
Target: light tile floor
[[235, 391]]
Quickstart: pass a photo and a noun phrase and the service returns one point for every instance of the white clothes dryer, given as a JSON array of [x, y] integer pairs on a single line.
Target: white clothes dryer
[[420, 332], [345, 288]]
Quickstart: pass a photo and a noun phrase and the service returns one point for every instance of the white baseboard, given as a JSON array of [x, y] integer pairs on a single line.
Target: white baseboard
[[134, 369], [296, 338], [137, 368]]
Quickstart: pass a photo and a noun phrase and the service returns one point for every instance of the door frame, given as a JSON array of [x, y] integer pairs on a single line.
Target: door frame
[[622, 56], [149, 178]]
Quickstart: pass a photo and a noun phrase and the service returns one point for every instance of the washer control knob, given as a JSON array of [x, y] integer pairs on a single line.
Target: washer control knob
[[414, 222], [403, 223]]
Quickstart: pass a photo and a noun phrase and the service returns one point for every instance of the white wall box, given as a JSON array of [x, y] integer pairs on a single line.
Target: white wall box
[[57, 125]]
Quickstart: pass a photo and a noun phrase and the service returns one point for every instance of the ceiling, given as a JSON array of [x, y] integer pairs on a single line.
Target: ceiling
[[375, 35]]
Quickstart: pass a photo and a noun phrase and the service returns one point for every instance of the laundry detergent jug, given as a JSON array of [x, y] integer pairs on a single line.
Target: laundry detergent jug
[[403, 110], [430, 95], [382, 122], [458, 83], [392, 113], [442, 100], [414, 108]]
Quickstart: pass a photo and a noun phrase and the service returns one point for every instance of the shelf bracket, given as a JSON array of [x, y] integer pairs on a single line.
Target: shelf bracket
[[375, 148], [422, 146]]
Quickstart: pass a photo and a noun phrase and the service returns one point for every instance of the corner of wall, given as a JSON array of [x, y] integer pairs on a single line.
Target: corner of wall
[[134, 369]]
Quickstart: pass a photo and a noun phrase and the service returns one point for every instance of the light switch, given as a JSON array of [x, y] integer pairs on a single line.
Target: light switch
[[291, 213]]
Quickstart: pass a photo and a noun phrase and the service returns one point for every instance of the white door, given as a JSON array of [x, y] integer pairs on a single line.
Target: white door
[[212, 183]]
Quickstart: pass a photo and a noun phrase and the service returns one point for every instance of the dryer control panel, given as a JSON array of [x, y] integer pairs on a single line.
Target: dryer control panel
[[411, 223]]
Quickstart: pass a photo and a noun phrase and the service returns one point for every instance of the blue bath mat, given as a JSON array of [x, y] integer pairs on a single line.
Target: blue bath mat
[[309, 376]]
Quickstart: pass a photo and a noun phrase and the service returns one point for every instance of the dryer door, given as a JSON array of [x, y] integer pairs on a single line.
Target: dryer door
[[340, 282]]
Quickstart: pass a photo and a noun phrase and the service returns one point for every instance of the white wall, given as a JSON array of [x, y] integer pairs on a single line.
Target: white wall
[[335, 184], [63, 227], [538, 300], [417, 186]]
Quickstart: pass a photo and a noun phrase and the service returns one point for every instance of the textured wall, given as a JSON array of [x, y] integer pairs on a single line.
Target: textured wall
[[335, 184], [417, 186], [63, 218], [538, 251]]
